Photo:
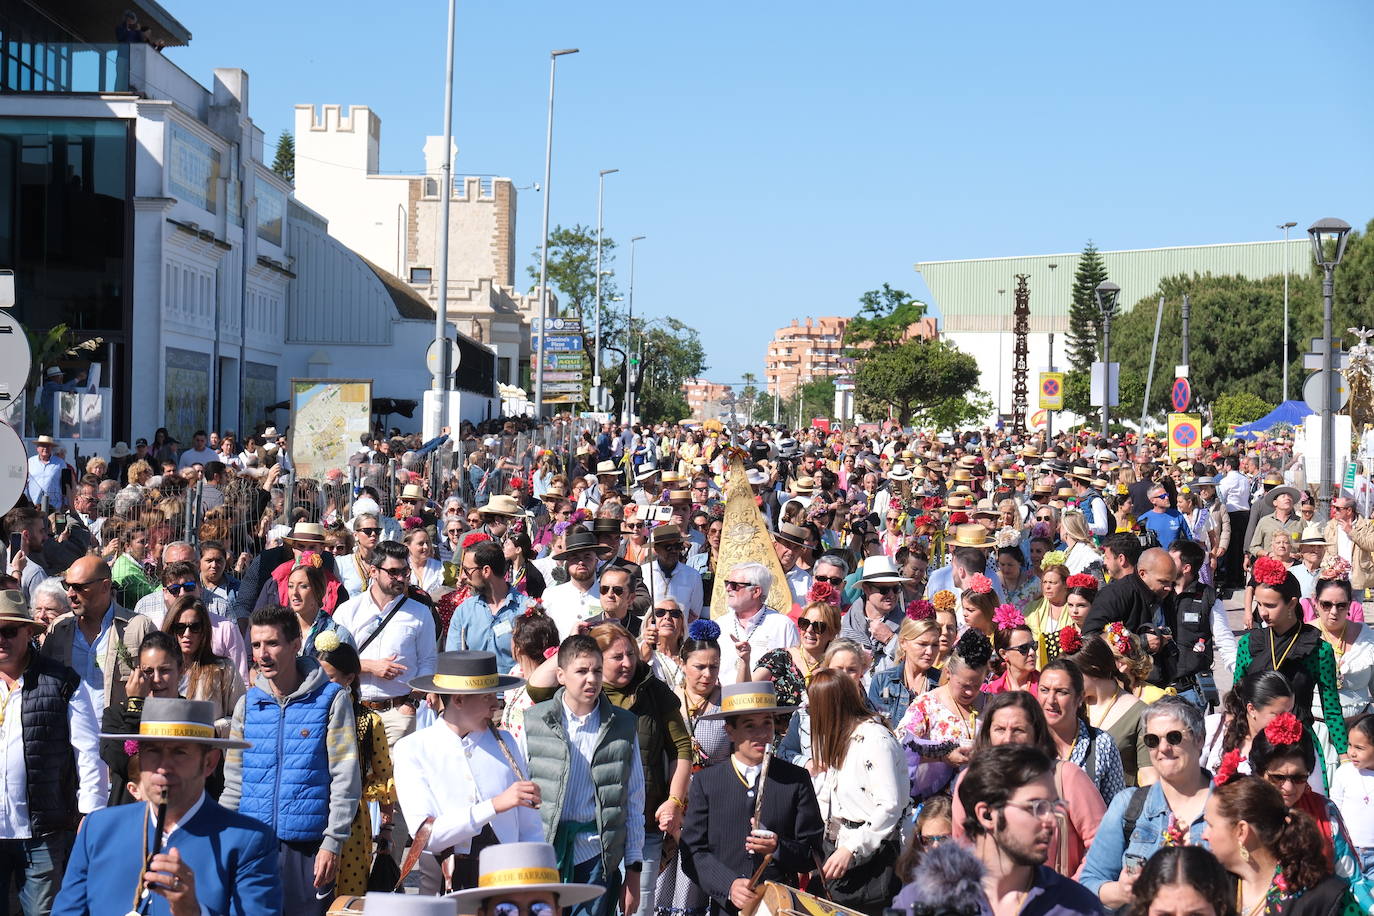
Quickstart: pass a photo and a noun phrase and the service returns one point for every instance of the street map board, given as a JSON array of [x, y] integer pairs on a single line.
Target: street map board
[[327, 417]]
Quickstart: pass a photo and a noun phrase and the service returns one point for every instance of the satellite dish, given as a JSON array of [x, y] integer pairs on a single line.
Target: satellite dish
[[15, 359], [14, 466]]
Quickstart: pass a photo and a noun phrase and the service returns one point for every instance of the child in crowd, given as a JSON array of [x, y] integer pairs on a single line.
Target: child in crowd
[[1353, 787]]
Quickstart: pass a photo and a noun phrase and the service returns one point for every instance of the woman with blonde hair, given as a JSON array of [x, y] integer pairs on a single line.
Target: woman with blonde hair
[[861, 787], [1080, 555], [661, 633], [918, 647], [791, 670]]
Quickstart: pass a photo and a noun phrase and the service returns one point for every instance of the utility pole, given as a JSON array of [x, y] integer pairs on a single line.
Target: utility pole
[[596, 356], [443, 373]]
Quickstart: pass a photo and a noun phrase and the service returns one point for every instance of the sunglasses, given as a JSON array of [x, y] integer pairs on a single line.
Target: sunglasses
[[675, 613], [370, 532], [192, 627], [176, 588], [1174, 737], [831, 580], [1044, 518], [510, 908], [10, 632], [815, 626], [616, 590], [394, 572], [1027, 649], [736, 586], [887, 589], [80, 586], [1334, 605], [1279, 779]]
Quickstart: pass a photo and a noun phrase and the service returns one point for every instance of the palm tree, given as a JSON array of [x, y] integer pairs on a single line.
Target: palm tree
[[47, 348]]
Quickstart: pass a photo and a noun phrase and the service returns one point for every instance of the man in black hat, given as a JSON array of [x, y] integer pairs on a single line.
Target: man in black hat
[[607, 530], [792, 544], [580, 597]]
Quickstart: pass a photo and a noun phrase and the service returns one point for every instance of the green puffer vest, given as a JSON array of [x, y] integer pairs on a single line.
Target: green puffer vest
[[547, 743]]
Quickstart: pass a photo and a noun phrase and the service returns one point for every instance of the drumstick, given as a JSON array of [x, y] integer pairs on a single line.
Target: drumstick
[[758, 872]]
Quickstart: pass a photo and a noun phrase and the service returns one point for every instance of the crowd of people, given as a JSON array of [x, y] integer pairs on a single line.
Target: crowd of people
[[657, 668]]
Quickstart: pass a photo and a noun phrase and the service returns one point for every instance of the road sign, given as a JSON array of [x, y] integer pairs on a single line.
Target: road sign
[[563, 388], [14, 467], [1181, 395], [565, 343], [563, 325], [432, 356], [15, 359], [562, 376], [559, 361], [1315, 388], [1349, 483], [1185, 433], [1051, 391]]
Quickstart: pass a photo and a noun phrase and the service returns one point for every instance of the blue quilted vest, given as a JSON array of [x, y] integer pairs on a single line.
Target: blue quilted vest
[[286, 777]]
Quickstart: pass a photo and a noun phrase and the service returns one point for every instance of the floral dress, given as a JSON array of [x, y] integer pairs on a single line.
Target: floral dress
[[355, 862], [677, 894], [929, 730], [788, 679], [1026, 592]]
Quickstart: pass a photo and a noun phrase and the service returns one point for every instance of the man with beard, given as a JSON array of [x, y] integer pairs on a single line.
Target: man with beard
[[1010, 805], [579, 597]]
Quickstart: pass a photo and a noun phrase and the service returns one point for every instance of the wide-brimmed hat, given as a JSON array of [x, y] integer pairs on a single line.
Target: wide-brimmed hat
[[465, 672], [555, 491], [670, 476], [985, 507], [899, 471], [882, 570], [270, 433], [802, 486], [1099, 483], [191, 721], [521, 868], [46, 440], [1030, 452], [1081, 472], [1278, 491], [1312, 536], [501, 505], [120, 450], [748, 698], [955, 503], [607, 469], [679, 496], [961, 473], [792, 534], [756, 477], [1066, 493], [1273, 479], [971, 535], [645, 474], [582, 540], [307, 534], [606, 526], [14, 608], [665, 534], [412, 491]]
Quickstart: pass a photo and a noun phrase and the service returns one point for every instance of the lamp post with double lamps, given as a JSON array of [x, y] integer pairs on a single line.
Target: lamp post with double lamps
[[1106, 293], [1328, 247], [544, 248]]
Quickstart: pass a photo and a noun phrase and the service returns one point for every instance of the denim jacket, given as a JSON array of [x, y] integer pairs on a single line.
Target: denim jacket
[[1110, 851], [889, 694]]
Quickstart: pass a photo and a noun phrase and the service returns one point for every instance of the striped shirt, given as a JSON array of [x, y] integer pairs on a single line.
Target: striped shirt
[[579, 798]]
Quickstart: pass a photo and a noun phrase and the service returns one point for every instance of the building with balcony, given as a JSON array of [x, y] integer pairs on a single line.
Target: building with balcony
[[704, 398], [814, 348], [135, 207]]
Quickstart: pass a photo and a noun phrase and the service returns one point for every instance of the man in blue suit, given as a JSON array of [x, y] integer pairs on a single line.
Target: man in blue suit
[[207, 860]]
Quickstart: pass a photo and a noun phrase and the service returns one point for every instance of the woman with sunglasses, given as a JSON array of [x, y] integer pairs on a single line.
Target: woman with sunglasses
[[1143, 820], [1284, 756], [893, 689], [205, 675], [636, 540], [1109, 703], [791, 669], [1298, 652], [1351, 641], [938, 728], [1015, 647], [1061, 693], [1016, 718], [660, 637], [1048, 614]]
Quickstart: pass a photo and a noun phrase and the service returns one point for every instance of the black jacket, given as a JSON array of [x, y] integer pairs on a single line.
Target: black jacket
[[48, 755], [719, 808], [1130, 602]]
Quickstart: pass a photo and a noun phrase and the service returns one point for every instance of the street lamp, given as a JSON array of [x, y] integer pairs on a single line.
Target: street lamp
[[631, 368], [1049, 414], [443, 372], [1328, 247], [596, 357], [1106, 294], [544, 250], [1285, 227]]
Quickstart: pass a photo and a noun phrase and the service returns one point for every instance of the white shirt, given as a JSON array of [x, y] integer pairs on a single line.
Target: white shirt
[[567, 604], [1234, 491], [409, 636], [192, 456], [1351, 790], [431, 579], [350, 574], [93, 784], [453, 779], [799, 581], [870, 790], [683, 585], [767, 630]]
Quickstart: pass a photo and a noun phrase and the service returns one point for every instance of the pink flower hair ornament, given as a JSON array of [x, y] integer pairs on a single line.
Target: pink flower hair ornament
[[1007, 617], [979, 584]]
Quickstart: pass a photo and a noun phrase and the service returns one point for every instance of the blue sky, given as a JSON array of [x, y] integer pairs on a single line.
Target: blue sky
[[783, 158]]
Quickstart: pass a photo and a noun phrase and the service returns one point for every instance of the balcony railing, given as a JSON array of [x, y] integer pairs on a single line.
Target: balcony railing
[[63, 67]]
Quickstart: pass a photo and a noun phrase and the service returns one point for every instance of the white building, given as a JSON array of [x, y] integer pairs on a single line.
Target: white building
[[138, 209]]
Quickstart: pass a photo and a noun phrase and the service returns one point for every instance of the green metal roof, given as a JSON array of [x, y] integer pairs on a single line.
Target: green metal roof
[[966, 292]]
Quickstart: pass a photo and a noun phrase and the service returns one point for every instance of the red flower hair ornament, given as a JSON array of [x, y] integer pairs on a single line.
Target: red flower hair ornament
[[1081, 580], [958, 518], [920, 609], [1007, 617], [1230, 763], [979, 584], [1118, 638], [1070, 640], [1283, 729], [1269, 571], [473, 538], [823, 592]]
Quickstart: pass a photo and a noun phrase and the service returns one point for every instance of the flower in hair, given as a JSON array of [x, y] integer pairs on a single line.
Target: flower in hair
[[1007, 537], [130, 747], [974, 648], [1230, 764], [1283, 729], [578, 517], [824, 592], [1007, 617], [517, 483], [958, 518], [920, 609], [1081, 580], [924, 520], [473, 538], [309, 558], [550, 652], [1334, 568], [535, 606], [930, 502], [1269, 571], [1053, 558], [1118, 638], [1070, 640], [703, 630], [327, 641], [412, 522], [979, 584], [943, 600]]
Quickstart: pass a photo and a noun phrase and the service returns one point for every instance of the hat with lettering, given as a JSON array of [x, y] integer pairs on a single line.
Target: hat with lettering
[[190, 721], [520, 868], [465, 672], [748, 698]]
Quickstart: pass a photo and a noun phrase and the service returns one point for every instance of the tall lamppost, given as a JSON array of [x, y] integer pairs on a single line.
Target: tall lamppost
[[1106, 294], [1328, 247], [1049, 414], [631, 369], [544, 250], [443, 372], [1285, 227], [596, 357]]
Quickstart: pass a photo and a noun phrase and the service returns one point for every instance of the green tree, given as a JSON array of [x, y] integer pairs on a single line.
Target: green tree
[[957, 412], [1130, 393], [572, 271], [1238, 407], [763, 408], [1085, 320], [284, 163], [912, 377], [669, 352], [884, 316]]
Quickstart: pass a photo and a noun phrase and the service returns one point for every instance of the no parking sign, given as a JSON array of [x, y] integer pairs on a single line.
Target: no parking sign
[[1185, 434], [1051, 391]]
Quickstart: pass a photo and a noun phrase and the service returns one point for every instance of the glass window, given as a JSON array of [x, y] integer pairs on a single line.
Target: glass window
[[420, 275]]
